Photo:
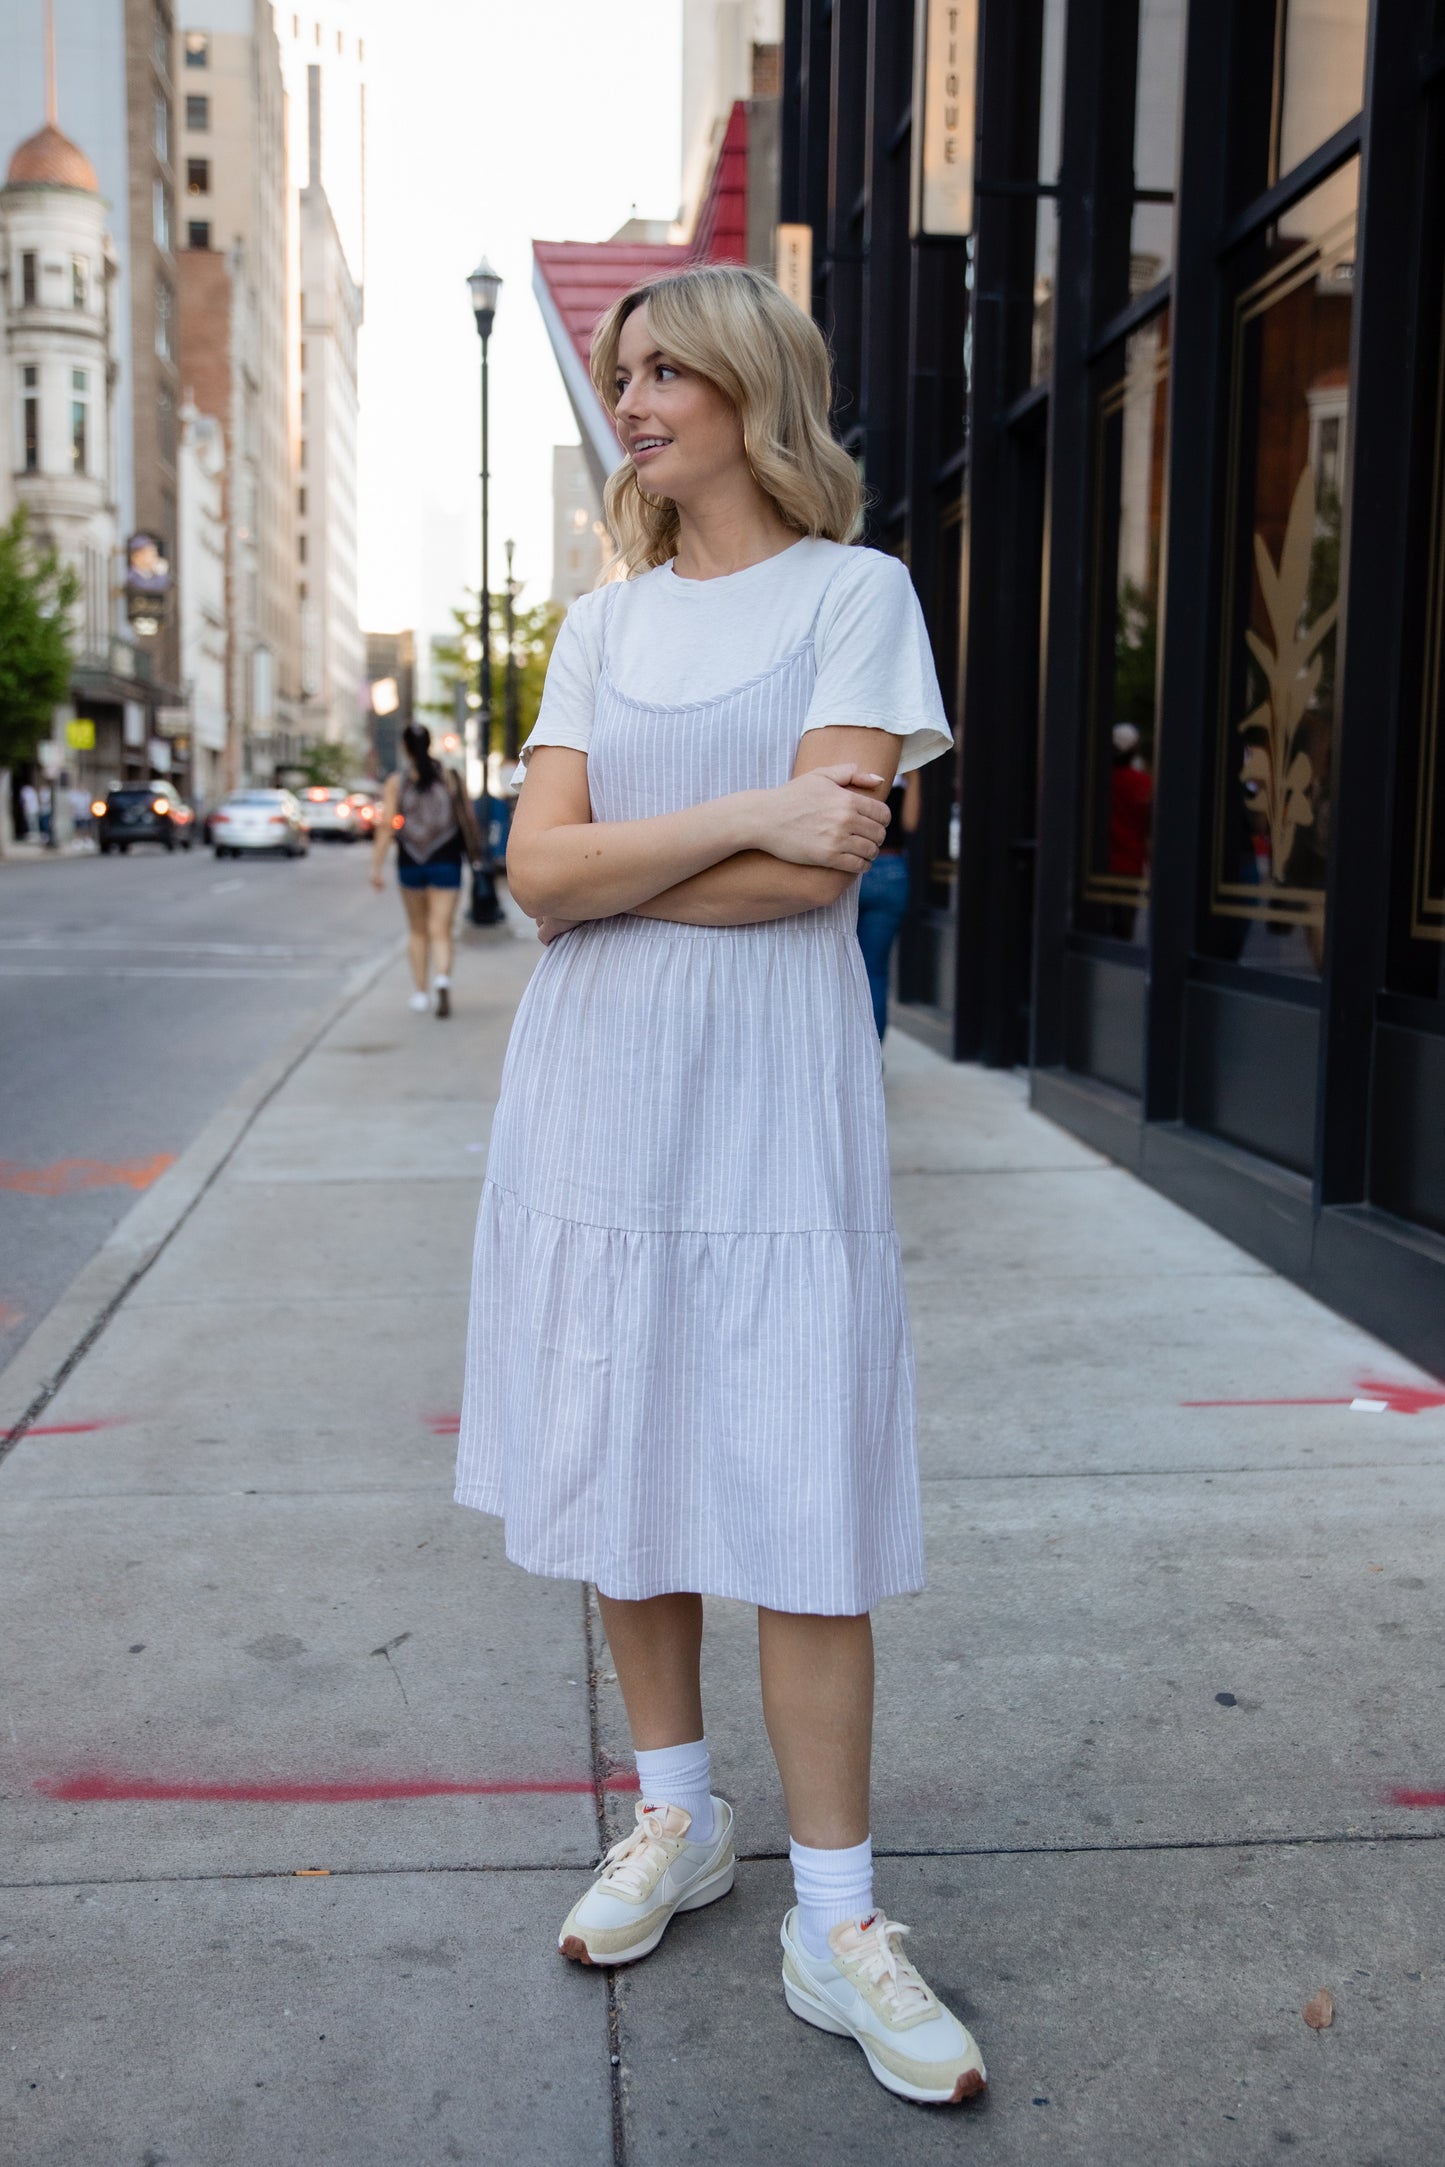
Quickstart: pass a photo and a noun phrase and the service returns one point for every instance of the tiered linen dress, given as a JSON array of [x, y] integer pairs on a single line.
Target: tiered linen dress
[[689, 1364]]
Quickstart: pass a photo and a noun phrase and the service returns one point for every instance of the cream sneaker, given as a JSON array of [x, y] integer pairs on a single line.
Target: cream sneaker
[[867, 1990], [652, 1873]]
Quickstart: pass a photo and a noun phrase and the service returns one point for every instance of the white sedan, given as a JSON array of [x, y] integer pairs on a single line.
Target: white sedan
[[260, 820], [331, 812]]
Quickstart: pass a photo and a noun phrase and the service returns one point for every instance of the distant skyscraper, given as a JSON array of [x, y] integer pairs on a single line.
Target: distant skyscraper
[[238, 346], [323, 59]]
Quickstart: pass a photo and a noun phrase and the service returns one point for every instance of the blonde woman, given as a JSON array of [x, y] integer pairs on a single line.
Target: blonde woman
[[689, 1370]]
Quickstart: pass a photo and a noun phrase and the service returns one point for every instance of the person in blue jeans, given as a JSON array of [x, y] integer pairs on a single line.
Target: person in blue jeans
[[883, 893]]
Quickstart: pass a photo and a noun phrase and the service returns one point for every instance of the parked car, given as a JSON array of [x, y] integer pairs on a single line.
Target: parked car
[[260, 820], [331, 813], [152, 812], [366, 804]]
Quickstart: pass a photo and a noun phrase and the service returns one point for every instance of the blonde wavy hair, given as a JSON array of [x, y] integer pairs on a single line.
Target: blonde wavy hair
[[738, 329]]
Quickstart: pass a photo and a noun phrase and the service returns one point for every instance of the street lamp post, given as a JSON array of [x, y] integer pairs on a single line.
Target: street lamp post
[[509, 711], [484, 284]]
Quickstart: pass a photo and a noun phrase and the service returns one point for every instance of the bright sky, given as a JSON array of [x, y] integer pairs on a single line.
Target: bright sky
[[488, 125]]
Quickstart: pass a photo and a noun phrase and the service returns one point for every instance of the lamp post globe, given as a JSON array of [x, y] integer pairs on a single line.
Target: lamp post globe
[[484, 285]]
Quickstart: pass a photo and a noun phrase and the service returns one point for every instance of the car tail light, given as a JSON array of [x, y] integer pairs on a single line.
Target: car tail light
[[398, 820], [159, 805], [218, 818], [315, 795], [98, 808], [278, 820]]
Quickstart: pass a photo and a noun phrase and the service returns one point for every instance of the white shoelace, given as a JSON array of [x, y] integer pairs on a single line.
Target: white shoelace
[[629, 1862], [880, 1960]]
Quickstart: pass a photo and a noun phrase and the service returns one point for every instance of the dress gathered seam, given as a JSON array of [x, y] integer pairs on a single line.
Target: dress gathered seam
[[707, 1233]]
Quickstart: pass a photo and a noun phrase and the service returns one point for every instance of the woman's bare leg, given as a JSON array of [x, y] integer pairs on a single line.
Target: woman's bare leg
[[656, 1650], [414, 901], [441, 918], [817, 1678]]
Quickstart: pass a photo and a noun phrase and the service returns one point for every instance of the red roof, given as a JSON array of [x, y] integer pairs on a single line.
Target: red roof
[[584, 278], [721, 232]]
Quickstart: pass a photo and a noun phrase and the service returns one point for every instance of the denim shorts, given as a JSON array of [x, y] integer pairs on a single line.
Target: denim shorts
[[429, 876]]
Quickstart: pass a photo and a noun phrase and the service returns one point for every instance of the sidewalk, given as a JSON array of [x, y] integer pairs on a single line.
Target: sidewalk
[[298, 1775]]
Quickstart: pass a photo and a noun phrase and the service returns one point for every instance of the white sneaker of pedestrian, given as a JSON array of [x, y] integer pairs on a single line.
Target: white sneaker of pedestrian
[[419, 1004], [647, 1877], [866, 1989]]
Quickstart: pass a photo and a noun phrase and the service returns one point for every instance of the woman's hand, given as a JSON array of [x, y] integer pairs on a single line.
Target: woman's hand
[[551, 929], [378, 879], [823, 817]]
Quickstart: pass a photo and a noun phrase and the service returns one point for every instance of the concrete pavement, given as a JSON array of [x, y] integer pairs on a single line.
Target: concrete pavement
[[298, 1775]]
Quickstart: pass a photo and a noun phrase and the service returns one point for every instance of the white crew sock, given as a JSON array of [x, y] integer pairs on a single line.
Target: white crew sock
[[680, 1776], [832, 1887]]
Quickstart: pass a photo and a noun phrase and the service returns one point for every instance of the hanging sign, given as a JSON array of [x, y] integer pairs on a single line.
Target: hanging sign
[[795, 265], [945, 70], [80, 735]]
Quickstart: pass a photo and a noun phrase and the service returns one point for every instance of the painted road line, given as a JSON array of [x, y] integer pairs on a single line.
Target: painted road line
[[95, 1788], [1373, 1395], [1424, 1799], [64, 1177]]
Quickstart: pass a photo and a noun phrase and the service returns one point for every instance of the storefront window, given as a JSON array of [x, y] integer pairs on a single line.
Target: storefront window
[[1156, 140], [1122, 714], [1418, 940], [1288, 444], [1046, 241], [1319, 74]]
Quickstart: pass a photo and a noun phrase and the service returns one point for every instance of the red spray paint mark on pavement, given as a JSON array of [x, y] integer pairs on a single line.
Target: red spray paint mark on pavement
[[97, 1789], [1426, 1799], [443, 1425], [76, 1429], [1400, 1399], [63, 1177], [10, 1316]]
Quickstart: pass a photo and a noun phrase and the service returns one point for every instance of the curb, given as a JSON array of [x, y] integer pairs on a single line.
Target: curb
[[67, 1332]]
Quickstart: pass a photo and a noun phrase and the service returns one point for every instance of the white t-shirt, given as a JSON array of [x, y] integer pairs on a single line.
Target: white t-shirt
[[675, 640]]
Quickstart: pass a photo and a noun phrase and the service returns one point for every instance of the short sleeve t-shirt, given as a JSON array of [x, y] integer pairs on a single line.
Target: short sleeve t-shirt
[[674, 640]]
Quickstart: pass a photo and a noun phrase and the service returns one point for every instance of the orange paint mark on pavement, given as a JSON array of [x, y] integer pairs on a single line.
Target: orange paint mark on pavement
[[10, 1316], [63, 1177]]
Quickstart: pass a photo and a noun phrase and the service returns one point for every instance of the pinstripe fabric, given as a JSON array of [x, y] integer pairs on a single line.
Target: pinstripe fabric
[[688, 1364]]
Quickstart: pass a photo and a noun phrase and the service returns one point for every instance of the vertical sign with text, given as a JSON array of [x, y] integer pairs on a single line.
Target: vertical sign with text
[[795, 265], [945, 70]]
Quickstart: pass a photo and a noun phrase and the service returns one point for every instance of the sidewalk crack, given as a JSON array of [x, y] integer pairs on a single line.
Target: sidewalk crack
[[599, 1794]]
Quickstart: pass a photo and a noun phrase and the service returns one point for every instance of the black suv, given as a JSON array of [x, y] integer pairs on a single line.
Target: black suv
[[143, 813]]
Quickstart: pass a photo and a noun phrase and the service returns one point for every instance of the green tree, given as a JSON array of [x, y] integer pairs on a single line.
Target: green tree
[[37, 595], [327, 765], [534, 631]]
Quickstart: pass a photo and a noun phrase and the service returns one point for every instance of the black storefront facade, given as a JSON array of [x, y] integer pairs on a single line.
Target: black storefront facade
[[1163, 441]]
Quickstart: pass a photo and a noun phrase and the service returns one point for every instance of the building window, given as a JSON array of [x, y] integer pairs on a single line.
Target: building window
[[163, 131], [198, 113], [79, 282], [301, 549], [198, 176], [1130, 463], [30, 389], [29, 278], [1290, 398], [301, 503], [198, 49], [161, 43], [302, 460], [1046, 233], [198, 233], [1319, 80], [161, 214], [1159, 80], [165, 306], [79, 413]]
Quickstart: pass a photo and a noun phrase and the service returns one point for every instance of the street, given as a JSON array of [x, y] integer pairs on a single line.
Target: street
[[136, 992], [299, 1775]]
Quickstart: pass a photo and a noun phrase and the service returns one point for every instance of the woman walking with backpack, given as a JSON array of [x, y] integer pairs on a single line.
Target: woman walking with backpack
[[689, 1370], [426, 812]]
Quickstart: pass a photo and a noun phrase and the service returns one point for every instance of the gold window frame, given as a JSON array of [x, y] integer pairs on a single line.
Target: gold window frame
[[1244, 899]]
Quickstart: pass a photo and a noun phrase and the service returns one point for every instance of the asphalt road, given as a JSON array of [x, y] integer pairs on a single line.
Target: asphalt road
[[136, 993]]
